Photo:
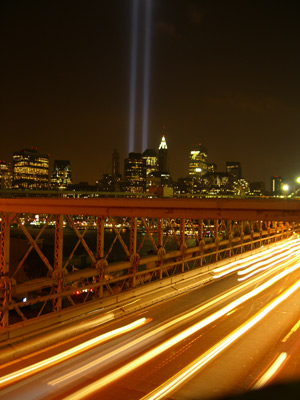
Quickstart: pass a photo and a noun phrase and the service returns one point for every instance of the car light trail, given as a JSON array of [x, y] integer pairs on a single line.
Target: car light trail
[[268, 375], [239, 264], [186, 373], [108, 379], [278, 259], [294, 329], [40, 366]]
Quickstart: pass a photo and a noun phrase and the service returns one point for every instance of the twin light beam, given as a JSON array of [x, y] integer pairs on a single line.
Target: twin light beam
[[133, 74]]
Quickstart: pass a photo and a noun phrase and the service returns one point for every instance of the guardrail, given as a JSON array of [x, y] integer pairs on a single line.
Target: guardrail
[[62, 253]]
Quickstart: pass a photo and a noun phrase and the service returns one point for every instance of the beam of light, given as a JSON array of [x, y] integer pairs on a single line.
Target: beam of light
[[226, 269], [48, 362], [146, 74], [129, 367], [268, 375], [190, 370], [133, 69]]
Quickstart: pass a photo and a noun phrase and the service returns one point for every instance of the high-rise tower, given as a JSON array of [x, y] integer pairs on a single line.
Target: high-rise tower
[[30, 169], [61, 176], [198, 161], [163, 156], [115, 163], [234, 168]]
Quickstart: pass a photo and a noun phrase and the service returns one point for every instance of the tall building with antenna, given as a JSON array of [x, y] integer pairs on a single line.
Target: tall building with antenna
[[163, 156]]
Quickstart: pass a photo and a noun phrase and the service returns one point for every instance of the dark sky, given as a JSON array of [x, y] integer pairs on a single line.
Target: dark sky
[[223, 73]]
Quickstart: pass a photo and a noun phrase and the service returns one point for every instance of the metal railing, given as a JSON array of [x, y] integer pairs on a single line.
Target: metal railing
[[60, 253]]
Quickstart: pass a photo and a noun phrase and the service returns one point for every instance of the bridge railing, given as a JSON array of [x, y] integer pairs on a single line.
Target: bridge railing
[[60, 253]]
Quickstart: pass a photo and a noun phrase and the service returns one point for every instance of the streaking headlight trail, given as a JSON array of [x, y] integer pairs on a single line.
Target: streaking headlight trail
[[40, 366]]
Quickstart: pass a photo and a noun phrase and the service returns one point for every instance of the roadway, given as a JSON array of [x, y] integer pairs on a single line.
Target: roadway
[[238, 333]]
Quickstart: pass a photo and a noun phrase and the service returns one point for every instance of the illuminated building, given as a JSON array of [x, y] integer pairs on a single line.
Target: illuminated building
[[234, 168], [211, 167], [257, 188], [198, 161], [30, 169], [276, 185], [151, 161], [61, 176], [217, 183], [134, 173], [151, 164], [5, 175], [163, 156], [163, 163]]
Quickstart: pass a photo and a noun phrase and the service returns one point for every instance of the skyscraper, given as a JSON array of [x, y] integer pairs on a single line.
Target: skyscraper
[[163, 156], [30, 169], [198, 161], [115, 170], [134, 173], [276, 185], [61, 175], [234, 168], [151, 161], [5, 175]]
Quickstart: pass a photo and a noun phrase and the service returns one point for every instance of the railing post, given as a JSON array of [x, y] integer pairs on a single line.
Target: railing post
[[160, 245], [216, 233], [230, 237], [58, 256], [201, 241], [134, 257], [252, 234], [183, 245], [242, 236], [5, 283], [100, 264]]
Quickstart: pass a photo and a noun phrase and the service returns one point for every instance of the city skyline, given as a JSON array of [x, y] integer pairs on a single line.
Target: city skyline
[[225, 75]]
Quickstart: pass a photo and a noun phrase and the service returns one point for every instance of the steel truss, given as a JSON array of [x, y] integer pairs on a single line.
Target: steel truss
[[127, 249]]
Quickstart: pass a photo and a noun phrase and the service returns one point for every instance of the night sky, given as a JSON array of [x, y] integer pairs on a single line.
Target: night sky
[[222, 73]]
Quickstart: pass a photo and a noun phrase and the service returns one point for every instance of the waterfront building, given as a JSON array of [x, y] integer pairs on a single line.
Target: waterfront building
[[151, 162], [134, 173], [211, 167], [5, 175], [276, 185], [30, 169], [152, 171], [217, 183], [61, 176], [198, 161], [257, 188], [234, 168]]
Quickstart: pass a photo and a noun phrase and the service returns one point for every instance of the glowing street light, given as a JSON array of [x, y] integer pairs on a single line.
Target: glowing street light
[[285, 187]]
